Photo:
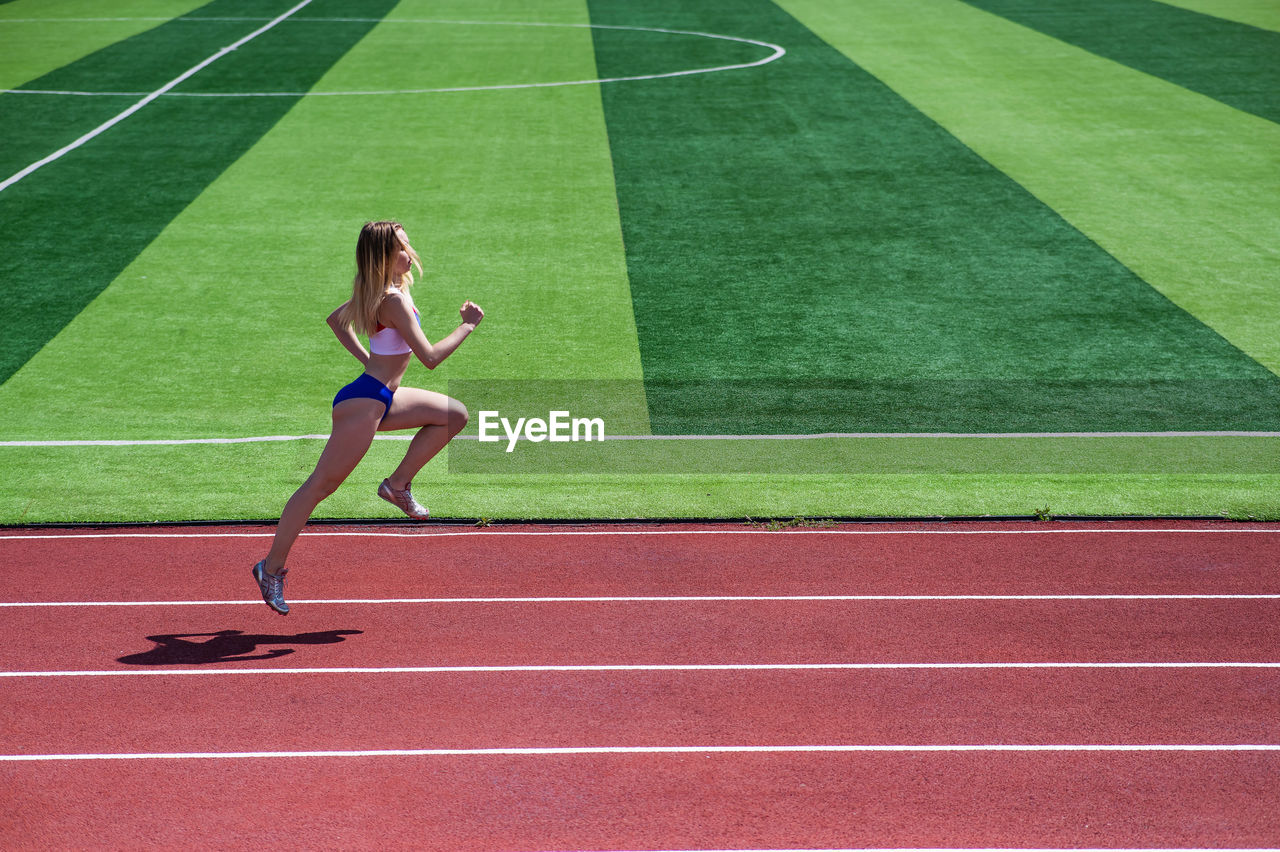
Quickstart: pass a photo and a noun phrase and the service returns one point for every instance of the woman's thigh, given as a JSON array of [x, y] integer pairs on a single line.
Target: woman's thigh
[[413, 408], [355, 421]]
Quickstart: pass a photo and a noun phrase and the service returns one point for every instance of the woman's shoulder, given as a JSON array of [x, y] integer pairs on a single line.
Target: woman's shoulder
[[396, 299], [396, 303]]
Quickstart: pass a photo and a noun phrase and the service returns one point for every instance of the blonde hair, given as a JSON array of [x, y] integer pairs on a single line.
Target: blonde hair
[[375, 277]]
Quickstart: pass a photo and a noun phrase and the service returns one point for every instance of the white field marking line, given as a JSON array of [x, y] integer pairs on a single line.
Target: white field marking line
[[811, 436], [801, 437], [183, 441], [499, 532], [86, 20], [778, 53], [668, 599], [626, 750], [621, 667], [106, 125]]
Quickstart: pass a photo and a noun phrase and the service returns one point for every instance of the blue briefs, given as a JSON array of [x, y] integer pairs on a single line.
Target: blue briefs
[[367, 387]]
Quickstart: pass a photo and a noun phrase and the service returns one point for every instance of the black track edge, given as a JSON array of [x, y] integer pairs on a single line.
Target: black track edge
[[784, 523]]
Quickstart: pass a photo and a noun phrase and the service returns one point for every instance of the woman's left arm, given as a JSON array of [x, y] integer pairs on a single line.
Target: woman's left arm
[[346, 336]]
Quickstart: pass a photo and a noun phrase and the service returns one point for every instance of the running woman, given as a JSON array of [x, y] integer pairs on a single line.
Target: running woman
[[381, 307]]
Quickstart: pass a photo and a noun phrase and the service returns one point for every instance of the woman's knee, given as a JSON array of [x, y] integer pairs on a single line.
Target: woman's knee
[[459, 417], [322, 485]]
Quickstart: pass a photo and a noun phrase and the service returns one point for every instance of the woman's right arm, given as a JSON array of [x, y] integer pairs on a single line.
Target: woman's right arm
[[399, 316], [346, 336]]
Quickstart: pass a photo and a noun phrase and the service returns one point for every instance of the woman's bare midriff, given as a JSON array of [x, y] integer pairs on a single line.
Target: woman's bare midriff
[[388, 369]]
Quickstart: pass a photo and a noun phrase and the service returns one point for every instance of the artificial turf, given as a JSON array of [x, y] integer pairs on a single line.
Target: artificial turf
[[1178, 187], [214, 328], [34, 45], [808, 252], [507, 195], [1226, 60], [1255, 13], [144, 484], [88, 215]]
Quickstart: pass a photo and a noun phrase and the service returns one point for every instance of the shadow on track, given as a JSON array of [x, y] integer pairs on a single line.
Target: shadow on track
[[226, 646]]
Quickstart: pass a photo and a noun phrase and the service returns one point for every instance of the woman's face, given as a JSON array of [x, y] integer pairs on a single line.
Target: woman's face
[[400, 261]]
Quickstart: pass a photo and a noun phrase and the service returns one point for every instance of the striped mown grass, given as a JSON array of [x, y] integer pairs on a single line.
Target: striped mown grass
[[822, 257], [952, 220], [1256, 13], [1179, 188], [1226, 60], [88, 215], [55, 33]]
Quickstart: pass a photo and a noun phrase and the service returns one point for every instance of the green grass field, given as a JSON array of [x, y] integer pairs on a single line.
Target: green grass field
[[1006, 257]]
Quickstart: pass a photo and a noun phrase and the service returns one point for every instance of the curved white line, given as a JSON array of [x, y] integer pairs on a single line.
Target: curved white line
[[778, 52]]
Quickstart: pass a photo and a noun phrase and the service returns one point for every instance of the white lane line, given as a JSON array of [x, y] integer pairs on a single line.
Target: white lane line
[[664, 599], [261, 439], [1191, 434], [106, 125], [52, 20], [627, 750], [672, 667], [178, 442], [500, 532], [777, 53]]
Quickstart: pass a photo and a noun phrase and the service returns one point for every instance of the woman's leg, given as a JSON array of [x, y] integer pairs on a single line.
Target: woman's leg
[[355, 421], [439, 417]]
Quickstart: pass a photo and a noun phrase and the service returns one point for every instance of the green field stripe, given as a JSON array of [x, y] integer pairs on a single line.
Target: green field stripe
[[37, 125], [508, 195], [241, 483], [1180, 188], [1256, 13], [1231, 62], [858, 455], [36, 36], [808, 253], [108, 199]]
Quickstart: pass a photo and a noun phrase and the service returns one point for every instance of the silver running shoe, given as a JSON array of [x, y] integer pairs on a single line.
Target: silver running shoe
[[272, 587], [403, 501]]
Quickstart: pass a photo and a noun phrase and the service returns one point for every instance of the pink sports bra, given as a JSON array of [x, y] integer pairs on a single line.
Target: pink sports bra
[[387, 341]]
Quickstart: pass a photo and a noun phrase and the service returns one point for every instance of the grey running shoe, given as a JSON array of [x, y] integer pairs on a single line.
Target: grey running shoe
[[272, 587], [403, 501]]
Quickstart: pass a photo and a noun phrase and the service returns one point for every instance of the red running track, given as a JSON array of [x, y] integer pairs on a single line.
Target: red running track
[[691, 800]]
